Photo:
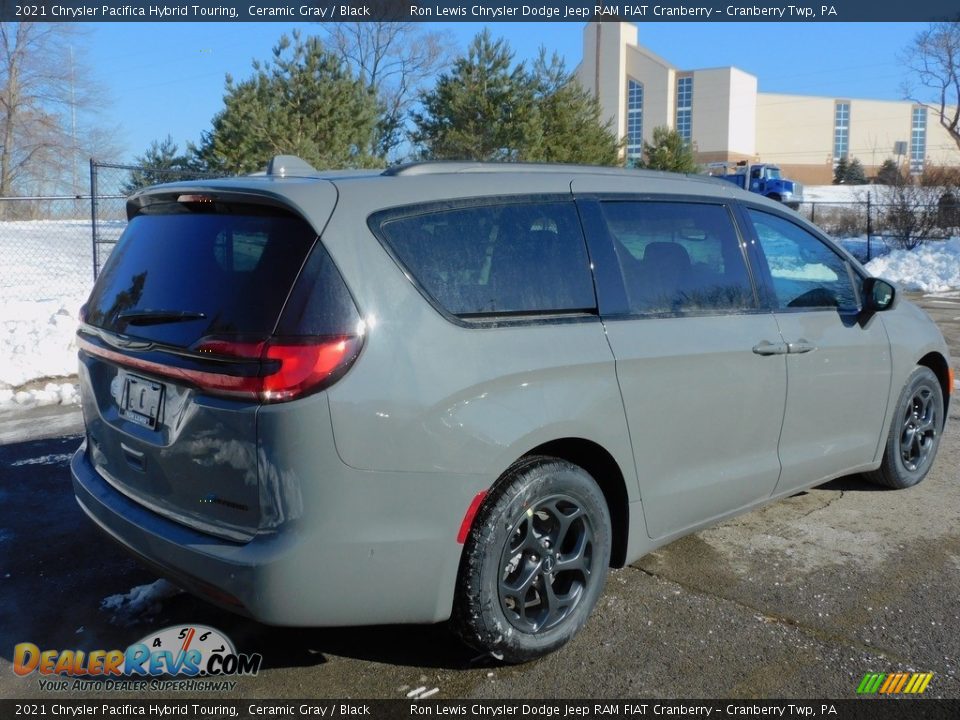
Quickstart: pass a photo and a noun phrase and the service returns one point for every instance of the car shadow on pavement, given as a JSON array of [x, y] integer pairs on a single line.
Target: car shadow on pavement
[[852, 483], [423, 646]]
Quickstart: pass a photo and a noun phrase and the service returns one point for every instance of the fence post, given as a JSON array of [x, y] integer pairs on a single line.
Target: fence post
[[93, 216], [813, 212], [869, 227]]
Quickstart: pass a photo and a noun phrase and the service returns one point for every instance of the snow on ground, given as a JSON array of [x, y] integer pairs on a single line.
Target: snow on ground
[[143, 600], [838, 193], [932, 267], [58, 459], [47, 274]]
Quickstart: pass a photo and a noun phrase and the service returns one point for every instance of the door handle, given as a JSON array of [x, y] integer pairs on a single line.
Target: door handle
[[801, 346], [765, 347]]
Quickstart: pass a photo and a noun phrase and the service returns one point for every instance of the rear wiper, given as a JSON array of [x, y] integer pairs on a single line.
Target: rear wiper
[[158, 317]]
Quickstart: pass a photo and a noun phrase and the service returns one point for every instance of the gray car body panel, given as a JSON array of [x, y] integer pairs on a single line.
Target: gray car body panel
[[364, 486]]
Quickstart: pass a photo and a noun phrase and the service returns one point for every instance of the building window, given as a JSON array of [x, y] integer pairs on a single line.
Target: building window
[[841, 131], [918, 140], [685, 107], [634, 121]]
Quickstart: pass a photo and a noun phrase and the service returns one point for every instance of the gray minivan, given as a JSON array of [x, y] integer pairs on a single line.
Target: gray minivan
[[463, 391]]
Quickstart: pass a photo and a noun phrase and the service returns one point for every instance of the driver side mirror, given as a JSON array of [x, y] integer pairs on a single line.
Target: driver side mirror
[[878, 295]]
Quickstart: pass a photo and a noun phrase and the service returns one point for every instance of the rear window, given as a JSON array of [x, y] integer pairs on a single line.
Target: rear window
[[522, 259], [176, 278]]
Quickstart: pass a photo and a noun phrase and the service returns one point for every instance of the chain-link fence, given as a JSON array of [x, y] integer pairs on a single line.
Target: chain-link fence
[[882, 226], [55, 245], [50, 251], [46, 261], [45, 247]]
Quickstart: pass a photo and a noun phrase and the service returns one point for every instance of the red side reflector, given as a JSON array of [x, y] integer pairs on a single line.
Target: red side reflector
[[471, 514], [950, 380]]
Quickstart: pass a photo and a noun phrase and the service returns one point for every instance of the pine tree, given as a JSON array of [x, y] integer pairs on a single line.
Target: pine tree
[[889, 173], [162, 162], [668, 151], [841, 170], [572, 128], [487, 108], [303, 102], [855, 173], [483, 109]]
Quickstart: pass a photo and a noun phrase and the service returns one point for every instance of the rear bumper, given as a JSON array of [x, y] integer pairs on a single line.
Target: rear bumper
[[379, 551]]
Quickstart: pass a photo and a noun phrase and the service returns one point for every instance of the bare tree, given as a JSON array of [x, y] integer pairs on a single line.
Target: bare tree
[[45, 97], [934, 58], [394, 60], [917, 209]]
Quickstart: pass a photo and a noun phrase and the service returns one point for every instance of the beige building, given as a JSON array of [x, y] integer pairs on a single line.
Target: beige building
[[720, 111]]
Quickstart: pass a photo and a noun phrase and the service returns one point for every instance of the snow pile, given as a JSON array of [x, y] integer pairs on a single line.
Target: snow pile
[[143, 600], [47, 275], [931, 267], [51, 394], [37, 338]]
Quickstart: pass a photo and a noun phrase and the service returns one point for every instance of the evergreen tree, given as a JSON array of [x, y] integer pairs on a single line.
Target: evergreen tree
[[668, 151], [162, 162], [840, 171], [855, 173], [483, 109], [487, 108], [303, 102], [573, 130], [889, 173]]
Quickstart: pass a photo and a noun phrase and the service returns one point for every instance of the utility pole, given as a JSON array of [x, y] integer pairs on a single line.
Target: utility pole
[[73, 121]]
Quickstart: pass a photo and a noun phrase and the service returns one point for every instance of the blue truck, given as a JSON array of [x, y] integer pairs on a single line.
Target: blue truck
[[761, 178]]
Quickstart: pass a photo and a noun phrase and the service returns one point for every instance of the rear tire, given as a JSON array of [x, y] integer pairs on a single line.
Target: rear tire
[[914, 434], [535, 561]]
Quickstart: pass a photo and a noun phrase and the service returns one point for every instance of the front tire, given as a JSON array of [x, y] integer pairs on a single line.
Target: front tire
[[914, 435], [535, 561]]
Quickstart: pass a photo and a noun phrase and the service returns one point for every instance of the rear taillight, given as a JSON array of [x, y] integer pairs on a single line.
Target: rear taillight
[[288, 369]]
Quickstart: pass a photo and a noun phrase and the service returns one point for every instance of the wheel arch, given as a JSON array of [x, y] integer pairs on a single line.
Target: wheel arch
[[938, 364], [602, 466]]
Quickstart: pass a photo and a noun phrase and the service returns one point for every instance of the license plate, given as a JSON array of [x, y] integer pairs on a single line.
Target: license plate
[[141, 400]]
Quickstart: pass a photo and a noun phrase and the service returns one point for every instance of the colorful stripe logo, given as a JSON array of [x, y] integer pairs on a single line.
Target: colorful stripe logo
[[894, 683]]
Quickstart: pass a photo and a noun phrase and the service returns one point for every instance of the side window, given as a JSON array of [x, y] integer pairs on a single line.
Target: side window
[[521, 258], [679, 257], [806, 273]]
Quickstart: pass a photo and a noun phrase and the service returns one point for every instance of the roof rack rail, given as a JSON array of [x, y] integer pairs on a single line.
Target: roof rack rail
[[440, 167]]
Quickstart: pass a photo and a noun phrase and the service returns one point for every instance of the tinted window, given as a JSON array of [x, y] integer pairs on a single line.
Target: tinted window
[[679, 257], [228, 274], [805, 271], [320, 303], [498, 259]]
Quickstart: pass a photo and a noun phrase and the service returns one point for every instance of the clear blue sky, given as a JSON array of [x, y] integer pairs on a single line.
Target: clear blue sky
[[167, 78]]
